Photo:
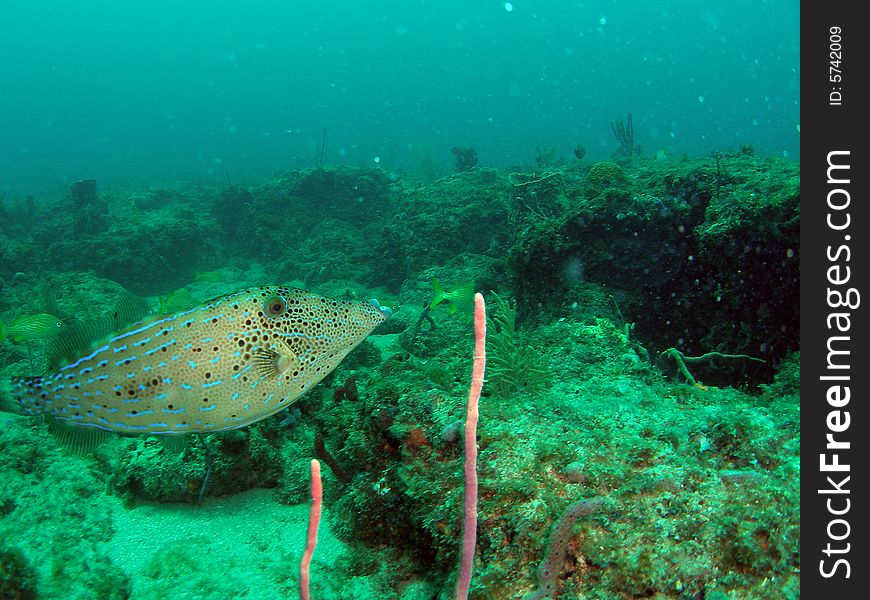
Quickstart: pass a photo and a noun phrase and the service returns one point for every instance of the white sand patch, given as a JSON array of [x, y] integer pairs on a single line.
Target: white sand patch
[[247, 545]]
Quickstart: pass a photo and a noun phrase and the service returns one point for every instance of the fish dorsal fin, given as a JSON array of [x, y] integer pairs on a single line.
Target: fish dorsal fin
[[77, 339], [129, 308], [76, 439]]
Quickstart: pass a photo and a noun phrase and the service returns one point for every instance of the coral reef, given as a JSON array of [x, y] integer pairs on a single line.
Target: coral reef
[[591, 273]]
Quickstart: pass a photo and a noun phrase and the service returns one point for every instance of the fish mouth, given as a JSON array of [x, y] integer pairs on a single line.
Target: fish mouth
[[385, 310]]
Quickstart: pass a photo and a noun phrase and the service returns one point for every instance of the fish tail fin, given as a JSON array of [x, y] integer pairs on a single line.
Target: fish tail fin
[[440, 294], [7, 402]]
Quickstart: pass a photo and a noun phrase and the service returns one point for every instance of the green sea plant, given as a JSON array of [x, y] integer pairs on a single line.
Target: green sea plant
[[512, 366]]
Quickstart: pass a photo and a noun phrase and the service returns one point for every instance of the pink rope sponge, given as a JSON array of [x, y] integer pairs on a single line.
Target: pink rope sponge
[[469, 534], [313, 525]]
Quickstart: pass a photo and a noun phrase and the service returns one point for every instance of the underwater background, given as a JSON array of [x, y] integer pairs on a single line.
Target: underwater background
[[619, 179]]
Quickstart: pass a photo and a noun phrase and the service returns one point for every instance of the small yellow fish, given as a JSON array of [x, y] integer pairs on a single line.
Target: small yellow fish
[[40, 326], [175, 301], [209, 277], [460, 297]]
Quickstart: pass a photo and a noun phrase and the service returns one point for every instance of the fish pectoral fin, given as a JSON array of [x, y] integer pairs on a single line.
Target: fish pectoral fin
[[269, 363]]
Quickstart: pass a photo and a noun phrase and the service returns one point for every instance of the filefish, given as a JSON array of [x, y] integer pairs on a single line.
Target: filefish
[[40, 326], [222, 365]]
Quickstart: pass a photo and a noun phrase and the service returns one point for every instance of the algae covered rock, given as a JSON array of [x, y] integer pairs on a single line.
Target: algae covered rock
[[17, 579], [603, 175]]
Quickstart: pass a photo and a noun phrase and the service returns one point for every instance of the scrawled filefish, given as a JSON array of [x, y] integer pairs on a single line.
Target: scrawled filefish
[[225, 364]]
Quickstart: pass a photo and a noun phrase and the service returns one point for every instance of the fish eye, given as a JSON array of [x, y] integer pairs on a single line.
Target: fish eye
[[275, 306]]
